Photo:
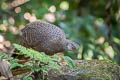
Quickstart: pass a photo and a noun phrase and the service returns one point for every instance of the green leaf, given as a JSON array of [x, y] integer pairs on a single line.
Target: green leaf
[[116, 40], [36, 69], [14, 65], [27, 78], [3, 55], [71, 63], [12, 60], [53, 65]]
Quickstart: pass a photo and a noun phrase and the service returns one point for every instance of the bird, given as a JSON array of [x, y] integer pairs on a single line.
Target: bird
[[46, 37]]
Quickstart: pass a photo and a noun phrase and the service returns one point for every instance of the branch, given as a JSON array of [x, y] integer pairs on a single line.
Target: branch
[[16, 3], [85, 70]]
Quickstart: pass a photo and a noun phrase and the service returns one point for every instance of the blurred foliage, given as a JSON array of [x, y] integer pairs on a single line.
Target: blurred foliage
[[83, 21], [34, 61]]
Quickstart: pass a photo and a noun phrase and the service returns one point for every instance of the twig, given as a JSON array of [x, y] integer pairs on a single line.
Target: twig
[[29, 74], [16, 3], [20, 71]]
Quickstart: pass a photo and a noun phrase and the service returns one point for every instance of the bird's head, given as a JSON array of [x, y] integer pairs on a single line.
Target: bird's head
[[70, 45]]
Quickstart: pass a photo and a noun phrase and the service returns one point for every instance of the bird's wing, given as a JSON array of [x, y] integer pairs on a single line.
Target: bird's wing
[[29, 37], [40, 33], [32, 36]]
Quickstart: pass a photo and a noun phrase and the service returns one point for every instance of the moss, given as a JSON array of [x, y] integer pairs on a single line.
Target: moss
[[98, 70], [90, 70], [98, 75]]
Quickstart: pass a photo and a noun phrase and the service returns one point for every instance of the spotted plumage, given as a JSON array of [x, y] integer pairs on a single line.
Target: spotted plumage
[[45, 37]]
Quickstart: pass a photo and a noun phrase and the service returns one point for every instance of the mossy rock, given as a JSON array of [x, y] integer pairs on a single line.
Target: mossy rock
[[87, 70]]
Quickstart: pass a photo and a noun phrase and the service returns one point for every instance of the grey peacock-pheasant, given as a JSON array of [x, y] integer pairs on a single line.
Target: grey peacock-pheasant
[[45, 37]]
